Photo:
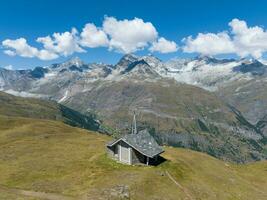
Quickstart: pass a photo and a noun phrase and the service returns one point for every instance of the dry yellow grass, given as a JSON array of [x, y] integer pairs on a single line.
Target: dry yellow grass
[[49, 156]]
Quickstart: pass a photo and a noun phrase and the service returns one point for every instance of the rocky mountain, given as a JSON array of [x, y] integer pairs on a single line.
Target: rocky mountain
[[205, 72], [193, 103], [240, 83]]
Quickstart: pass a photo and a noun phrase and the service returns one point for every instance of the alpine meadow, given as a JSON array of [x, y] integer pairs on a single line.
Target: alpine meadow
[[133, 100]]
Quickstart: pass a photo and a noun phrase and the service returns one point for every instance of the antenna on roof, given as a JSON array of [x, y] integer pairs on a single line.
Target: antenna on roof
[[134, 128]]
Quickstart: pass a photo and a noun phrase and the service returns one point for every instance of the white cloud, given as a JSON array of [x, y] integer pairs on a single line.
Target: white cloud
[[248, 40], [209, 44], [124, 36], [92, 37], [22, 48], [128, 36], [242, 40], [62, 43], [8, 67], [9, 52], [46, 55], [163, 46]]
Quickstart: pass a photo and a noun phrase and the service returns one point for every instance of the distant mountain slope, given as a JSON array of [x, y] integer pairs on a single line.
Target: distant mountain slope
[[250, 97], [179, 115], [41, 109], [192, 103], [51, 157], [213, 74], [241, 83]]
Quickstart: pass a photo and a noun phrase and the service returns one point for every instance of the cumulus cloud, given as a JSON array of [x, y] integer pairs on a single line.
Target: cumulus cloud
[[163, 46], [9, 52], [44, 54], [124, 36], [128, 36], [241, 40], [62, 43], [22, 48], [248, 40], [92, 37], [209, 44], [8, 67]]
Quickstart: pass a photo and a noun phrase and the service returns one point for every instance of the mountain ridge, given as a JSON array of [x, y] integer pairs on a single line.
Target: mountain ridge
[[13, 106], [184, 103]]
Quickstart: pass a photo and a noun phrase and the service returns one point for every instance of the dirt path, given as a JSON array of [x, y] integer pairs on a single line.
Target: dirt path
[[40, 195], [180, 186]]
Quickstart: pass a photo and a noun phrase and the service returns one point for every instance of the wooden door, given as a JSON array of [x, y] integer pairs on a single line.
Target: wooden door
[[125, 153]]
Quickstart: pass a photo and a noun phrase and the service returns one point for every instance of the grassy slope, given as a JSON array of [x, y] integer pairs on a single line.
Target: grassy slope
[[43, 155], [36, 108]]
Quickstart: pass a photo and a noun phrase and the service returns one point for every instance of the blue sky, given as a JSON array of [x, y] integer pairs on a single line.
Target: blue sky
[[173, 20]]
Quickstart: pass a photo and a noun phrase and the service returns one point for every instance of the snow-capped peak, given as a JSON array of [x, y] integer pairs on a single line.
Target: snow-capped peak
[[127, 59], [203, 71], [74, 64], [74, 61], [151, 60]]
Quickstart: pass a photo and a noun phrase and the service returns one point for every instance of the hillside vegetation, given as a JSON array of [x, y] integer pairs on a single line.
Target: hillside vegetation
[[41, 109], [43, 159]]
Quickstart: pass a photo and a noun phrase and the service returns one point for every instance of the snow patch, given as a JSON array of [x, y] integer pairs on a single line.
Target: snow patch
[[24, 94], [64, 97]]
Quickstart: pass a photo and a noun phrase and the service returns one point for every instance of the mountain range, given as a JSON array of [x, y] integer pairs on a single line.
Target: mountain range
[[211, 105]]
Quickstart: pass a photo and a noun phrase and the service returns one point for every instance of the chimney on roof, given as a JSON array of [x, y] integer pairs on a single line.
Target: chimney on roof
[[134, 128]]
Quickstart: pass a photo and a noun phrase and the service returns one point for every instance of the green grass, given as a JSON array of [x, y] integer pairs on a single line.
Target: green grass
[[50, 156], [41, 109]]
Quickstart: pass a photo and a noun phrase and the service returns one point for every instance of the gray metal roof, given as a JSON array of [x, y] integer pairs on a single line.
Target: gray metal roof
[[142, 142]]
